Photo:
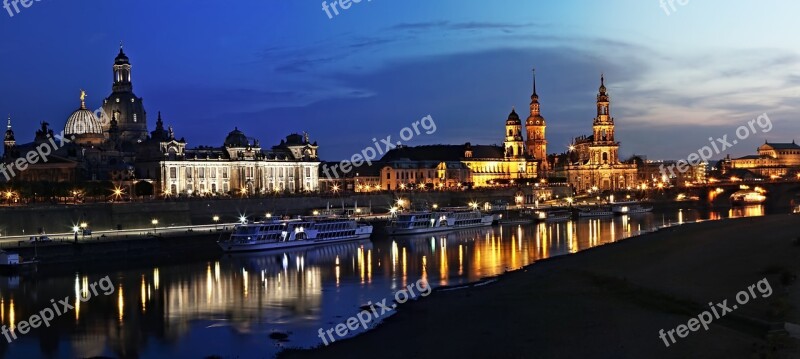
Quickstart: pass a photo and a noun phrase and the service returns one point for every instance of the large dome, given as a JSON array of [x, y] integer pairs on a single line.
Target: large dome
[[236, 139], [83, 121]]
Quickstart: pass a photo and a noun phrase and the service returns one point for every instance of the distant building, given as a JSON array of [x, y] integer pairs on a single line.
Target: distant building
[[593, 160], [773, 160], [444, 166], [521, 159]]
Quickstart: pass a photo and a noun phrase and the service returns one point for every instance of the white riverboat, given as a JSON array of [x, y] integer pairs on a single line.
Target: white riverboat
[[553, 215], [598, 211], [747, 197], [437, 221], [630, 208], [279, 234]]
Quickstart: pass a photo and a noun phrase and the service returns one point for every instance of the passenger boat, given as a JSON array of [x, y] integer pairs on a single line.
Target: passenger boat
[[437, 221], [598, 211], [553, 215], [630, 208], [278, 234], [747, 197]]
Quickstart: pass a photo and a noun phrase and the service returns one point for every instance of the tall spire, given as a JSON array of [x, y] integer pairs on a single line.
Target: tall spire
[[9, 122], [534, 96]]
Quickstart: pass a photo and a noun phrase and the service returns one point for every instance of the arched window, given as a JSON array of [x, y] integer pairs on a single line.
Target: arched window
[[605, 157]]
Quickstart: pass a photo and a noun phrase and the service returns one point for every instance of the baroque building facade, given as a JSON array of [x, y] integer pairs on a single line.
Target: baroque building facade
[[593, 161], [772, 160], [115, 146]]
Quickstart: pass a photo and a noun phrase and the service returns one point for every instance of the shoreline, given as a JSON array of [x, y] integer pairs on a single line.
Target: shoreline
[[617, 290]]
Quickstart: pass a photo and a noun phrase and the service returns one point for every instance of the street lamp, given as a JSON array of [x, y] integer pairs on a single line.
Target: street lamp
[[84, 225], [216, 220], [155, 225]]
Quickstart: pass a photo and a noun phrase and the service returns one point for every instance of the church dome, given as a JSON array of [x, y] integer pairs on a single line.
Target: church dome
[[236, 139], [121, 59], [513, 119], [83, 121]]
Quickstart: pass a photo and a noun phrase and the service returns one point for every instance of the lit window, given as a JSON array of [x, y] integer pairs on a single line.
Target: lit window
[[117, 99], [134, 117], [133, 100]]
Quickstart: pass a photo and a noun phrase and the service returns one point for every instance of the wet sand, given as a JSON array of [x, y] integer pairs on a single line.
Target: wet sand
[[611, 302]]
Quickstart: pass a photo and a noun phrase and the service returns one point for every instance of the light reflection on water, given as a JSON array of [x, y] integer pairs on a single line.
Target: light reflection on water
[[228, 305]]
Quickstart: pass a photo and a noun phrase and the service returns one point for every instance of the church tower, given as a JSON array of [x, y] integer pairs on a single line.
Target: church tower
[[123, 105], [9, 142], [604, 148], [536, 126], [514, 145]]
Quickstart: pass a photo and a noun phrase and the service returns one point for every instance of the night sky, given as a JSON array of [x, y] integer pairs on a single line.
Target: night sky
[[272, 68]]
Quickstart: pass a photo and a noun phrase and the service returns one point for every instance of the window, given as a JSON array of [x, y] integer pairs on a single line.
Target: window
[[134, 117], [308, 171], [202, 172], [213, 173], [189, 172], [225, 173], [173, 172]]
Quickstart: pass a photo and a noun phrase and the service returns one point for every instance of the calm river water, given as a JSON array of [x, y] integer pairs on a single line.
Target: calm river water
[[229, 305]]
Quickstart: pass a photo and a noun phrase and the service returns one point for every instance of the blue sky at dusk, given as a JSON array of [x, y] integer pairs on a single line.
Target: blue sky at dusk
[[276, 67]]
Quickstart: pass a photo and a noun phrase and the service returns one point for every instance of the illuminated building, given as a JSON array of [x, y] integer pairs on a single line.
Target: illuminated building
[[112, 144], [773, 160], [594, 159]]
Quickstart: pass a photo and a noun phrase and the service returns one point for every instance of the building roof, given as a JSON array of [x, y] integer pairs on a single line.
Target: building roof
[[783, 146], [443, 153]]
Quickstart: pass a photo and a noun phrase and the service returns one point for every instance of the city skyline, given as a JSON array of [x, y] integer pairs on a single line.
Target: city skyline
[[345, 90]]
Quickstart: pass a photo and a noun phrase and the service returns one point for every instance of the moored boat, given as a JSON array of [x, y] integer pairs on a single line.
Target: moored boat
[[597, 211], [747, 197], [437, 221], [553, 215], [630, 208], [278, 234]]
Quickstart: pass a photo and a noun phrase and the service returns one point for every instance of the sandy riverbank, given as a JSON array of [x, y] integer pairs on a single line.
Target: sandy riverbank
[[611, 302]]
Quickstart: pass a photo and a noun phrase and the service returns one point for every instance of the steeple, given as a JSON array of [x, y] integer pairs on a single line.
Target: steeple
[[536, 127], [9, 131], [603, 102], [604, 123], [122, 72], [9, 142]]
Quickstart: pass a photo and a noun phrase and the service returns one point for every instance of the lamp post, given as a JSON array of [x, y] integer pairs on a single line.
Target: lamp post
[[84, 225], [216, 220], [155, 225]]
